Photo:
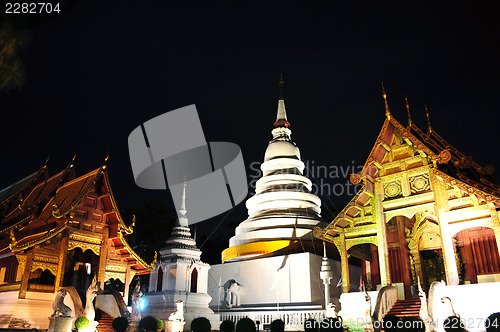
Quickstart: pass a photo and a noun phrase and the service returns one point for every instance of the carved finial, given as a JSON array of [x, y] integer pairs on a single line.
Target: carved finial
[[182, 219], [408, 110], [324, 250], [105, 161], [387, 111], [428, 119], [281, 119], [12, 235], [72, 162]]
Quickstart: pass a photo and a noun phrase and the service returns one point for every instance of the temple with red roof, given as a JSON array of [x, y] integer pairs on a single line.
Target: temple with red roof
[[58, 231], [425, 211]]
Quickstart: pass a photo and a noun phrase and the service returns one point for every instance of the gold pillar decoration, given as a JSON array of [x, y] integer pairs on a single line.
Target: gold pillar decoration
[[26, 274], [21, 259], [103, 257], [441, 206], [458, 259], [379, 218], [344, 260], [63, 254], [127, 284], [413, 270]]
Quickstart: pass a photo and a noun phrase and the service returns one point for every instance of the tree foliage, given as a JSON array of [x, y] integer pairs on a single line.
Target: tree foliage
[[153, 225], [12, 69]]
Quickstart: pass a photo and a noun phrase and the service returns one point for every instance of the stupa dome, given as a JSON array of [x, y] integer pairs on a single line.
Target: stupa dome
[[280, 149]]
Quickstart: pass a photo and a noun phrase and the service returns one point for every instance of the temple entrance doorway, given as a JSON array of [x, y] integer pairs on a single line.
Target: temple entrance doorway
[[432, 267]]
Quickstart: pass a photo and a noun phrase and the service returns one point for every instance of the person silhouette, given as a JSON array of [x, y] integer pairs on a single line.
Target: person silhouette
[[245, 325]]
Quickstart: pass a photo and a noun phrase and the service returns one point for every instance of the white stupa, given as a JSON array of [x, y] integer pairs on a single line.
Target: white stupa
[[180, 275], [272, 266], [283, 208]]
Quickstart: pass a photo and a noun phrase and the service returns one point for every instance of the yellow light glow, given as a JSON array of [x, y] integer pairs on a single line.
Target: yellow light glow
[[254, 248]]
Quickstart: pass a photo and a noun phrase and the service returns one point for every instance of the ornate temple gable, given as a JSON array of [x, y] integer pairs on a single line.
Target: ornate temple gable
[[401, 160], [62, 213], [33, 204]]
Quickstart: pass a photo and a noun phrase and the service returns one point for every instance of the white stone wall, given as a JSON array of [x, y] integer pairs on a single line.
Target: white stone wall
[[297, 282]]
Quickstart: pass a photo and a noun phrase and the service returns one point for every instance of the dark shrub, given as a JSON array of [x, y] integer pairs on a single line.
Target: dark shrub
[[148, 324], [120, 324], [200, 324]]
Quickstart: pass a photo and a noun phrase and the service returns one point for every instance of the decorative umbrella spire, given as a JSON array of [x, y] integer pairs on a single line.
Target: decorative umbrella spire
[[183, 221], [281, 119], [408, 110], [387, 111]]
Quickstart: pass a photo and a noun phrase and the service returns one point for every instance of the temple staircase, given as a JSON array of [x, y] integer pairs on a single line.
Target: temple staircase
[[406, 308], [105, 323]]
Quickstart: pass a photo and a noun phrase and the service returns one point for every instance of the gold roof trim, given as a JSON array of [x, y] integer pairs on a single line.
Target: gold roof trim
[[121, 223], [15, 246], [17, 224], [322, 231], [468, 187], [63, 173], [149, 267], [58, 214]]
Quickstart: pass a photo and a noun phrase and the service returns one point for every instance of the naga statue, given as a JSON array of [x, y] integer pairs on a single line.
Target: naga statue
[[60, 309], [90, 296], [136, 297], [424, 313]]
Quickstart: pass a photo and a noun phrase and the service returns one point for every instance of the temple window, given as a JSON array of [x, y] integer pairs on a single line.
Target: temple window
[[10, 273], [194, 281], [159, 282]]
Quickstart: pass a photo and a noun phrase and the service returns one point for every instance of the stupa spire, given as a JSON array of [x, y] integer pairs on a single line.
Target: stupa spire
[[183, 221], [281, 119]]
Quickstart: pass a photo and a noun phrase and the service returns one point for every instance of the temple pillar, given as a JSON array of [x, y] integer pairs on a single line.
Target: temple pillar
[[63, 254], [127, 284], [344, 261], [441, 206], [374, 267], [417, 265], [404, 261], [153, 279], [166, 275], [103, 258], [26, 274], [383, 249]]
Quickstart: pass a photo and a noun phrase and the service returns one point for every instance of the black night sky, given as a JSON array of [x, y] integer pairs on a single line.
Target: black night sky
[[101, 68]]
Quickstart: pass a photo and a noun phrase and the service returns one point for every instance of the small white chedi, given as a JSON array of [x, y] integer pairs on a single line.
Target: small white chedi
[[179, 281]]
